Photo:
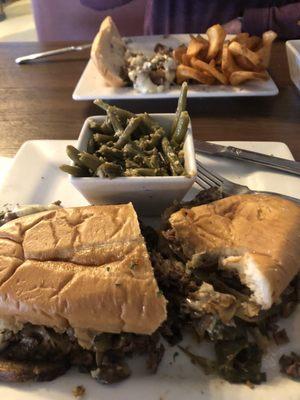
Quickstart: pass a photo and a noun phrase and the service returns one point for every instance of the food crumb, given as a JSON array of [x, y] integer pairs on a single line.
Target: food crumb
[[78, 391], [250, 385]]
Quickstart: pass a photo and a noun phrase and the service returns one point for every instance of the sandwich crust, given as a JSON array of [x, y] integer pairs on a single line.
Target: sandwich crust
[[108, 53], [84, 268], [255, 236]]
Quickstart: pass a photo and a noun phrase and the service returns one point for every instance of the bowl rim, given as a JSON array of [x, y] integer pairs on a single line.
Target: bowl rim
[[136, 179]]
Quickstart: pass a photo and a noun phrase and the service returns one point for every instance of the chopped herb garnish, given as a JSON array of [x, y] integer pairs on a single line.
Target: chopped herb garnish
[[159, 293], [107, 269], [133, 266]]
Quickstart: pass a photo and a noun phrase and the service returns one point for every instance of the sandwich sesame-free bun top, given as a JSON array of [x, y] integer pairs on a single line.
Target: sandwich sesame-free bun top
[[256, 236], [85, 268], [108, 53]]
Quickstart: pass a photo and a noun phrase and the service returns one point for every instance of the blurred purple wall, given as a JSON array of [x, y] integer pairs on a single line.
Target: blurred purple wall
[[69, 20]]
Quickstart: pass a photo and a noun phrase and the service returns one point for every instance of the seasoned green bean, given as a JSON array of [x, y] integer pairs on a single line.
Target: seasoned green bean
[[110, 153], [154, 140], [130, 150], [150, 123], [109, 170], [89, 161], [74, 154], [91, 146], [95, 126], [181, 128], [131, 164], [125, 136], [100, 138], [106, 128], [74, 170], [181, 106], [115, 120], [141, 172], [175, 166], [121, 112]]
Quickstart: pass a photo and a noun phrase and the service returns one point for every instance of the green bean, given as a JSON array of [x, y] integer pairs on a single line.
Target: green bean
[[125, 136], [131, 164], [141, 172], [115, 121], [91, 146], [100, 138], [154, 140], [74, 154], [150, 122], [109, 170], [95, 126], [130, 150], [175, 166], [181, 106], [154, 161], [120, 111], [106, 127], [74, 170], [142, 160], [89, 161], [110, 153], [181, 156], [181, 128]]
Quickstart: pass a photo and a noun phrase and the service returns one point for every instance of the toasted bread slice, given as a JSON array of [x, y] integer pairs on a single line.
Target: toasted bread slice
[[108, 53]]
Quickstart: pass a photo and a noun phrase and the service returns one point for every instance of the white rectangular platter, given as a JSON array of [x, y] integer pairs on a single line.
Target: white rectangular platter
[[92, 86], [34, 177]]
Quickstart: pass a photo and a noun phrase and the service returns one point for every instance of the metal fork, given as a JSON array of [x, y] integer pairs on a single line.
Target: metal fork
[[207, 178]]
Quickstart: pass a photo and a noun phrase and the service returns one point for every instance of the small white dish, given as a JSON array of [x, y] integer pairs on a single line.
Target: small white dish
[[293, 56], [150, 195], [91, 85]]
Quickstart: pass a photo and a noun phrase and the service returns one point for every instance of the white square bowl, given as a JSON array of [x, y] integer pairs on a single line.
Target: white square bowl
[[149, 195], [293, 55]]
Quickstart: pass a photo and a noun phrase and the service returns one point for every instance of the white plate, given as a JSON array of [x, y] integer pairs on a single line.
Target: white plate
[[91, 85], [34, 178]]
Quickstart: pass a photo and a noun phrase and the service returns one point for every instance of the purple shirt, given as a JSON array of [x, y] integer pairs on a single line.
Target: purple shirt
[[181, 16]]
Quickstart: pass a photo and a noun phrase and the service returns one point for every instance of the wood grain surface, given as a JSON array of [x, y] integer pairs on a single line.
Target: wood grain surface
[[36, 103]]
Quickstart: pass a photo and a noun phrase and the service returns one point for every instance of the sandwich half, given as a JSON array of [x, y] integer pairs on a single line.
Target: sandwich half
[[80, 273], [252, 238]]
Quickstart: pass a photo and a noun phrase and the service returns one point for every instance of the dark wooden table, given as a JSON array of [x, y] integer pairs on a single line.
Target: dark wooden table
[[36, 103]]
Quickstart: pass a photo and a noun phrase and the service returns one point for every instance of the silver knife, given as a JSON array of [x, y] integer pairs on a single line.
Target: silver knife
[[35, 56], [278, 163]]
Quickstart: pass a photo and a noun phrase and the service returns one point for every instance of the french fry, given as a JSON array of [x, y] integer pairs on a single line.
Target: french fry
[[241, 50], [244, 64], [178, 52], [265, 52], [203, 66], [238, 77], [216, 35], [185, 73], [228, 64], [194, 47], [241, 38], [253, 43], [185, 59]]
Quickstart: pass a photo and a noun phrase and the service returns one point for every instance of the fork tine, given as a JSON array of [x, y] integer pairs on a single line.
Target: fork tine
[[206, 179], [201, 183], [212, 175]]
